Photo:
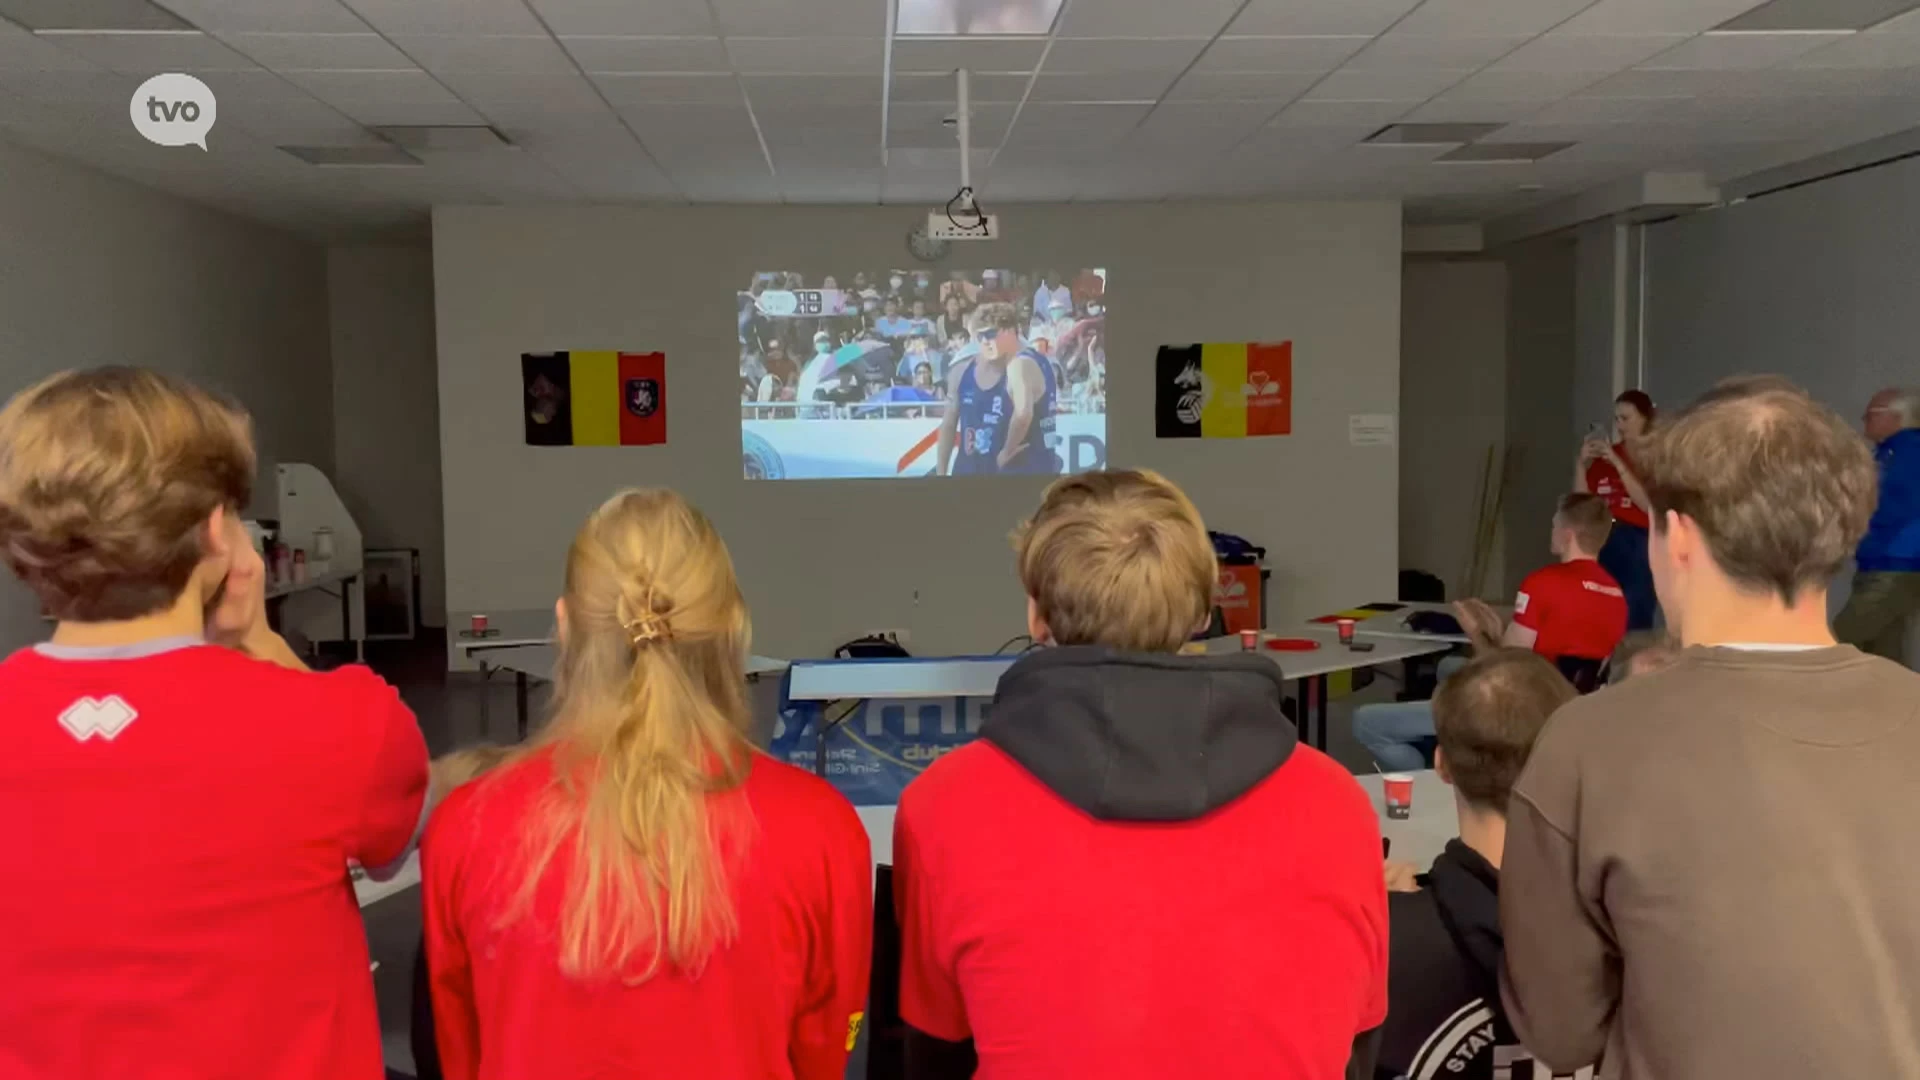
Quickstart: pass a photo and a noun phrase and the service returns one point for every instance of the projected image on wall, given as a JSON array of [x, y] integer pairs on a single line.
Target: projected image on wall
[[887, 373]]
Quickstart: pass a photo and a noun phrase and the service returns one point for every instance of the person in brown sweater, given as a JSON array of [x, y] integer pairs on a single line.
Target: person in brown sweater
[[1711, 870]]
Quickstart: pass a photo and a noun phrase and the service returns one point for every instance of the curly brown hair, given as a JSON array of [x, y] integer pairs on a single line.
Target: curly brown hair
[[107, 479]]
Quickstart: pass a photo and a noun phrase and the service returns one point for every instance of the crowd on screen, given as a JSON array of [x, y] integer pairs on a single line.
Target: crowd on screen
[[1137, 870], [891, 338]]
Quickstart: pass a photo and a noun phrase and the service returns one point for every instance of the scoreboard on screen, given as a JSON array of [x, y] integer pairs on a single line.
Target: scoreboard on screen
[[801, 303]]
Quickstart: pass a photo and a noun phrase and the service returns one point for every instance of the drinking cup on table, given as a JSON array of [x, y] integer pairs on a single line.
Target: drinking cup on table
[[1249, 640], [1399, 795], [1346, 630], [479, 625]]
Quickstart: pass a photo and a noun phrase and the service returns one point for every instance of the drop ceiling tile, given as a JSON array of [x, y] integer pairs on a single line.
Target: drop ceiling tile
[[831, 186], [1602, 110], [1370, 115], [521, 54], [411, 113], [1114, 55], [652, 90], [486, 89], [1738, 51], [651, 18], [919, 126], [814, 18], [684, 132], [1899, 24], [1147, 18], [1205, 125], [837, 126], [1397, 52], [1865, 52], [1313, 54], [90, 86], [776, 90], [1074, 127], [1282, 17], [273, 16], [948, 55], [1238, 86], [1654, 16], [1648, 83], [318, 52], [989, 88], [1560, 51], [1539, 86], [448, 16], [630, 53], [807, 56], [257, 85], [1447, 109], [338, 87], [1512, 18], [20, 50], [147, 53], [724, 184], [1403, 85], [293, 121], [1132, 86]]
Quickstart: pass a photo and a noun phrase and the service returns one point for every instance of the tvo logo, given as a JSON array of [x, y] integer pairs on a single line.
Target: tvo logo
[[173, 110]]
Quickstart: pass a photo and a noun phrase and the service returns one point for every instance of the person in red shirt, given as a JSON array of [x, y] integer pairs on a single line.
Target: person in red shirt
[[183, 795], [1606, 469], [638, 892], [1571, 609], [1137, 870]]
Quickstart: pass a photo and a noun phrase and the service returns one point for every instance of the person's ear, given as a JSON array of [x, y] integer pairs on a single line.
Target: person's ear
[[1036, 626], [560, 619], [1440, 767], [220, 529]]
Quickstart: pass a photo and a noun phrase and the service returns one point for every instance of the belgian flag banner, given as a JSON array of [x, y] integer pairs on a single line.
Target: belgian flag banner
[[1223, 390], [594, 398]]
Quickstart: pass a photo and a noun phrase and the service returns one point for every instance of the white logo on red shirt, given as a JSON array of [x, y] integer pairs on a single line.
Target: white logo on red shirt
[[106, 717], [1520, 604], [1603, 590]]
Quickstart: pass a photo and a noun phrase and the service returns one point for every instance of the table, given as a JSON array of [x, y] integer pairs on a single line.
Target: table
[[345, 579], [525, 646], [1416, 840], [1420, 838], [368, 891], [1309, 670], [1393, 624]]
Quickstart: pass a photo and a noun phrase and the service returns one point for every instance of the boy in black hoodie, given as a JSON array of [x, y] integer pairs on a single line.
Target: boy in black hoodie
[[1137, 872], [1443, 1016]]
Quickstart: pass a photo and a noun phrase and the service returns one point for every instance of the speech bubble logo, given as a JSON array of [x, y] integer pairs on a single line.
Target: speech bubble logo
[[173, 110]]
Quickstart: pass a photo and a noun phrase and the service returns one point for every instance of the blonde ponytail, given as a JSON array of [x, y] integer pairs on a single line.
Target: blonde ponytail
[[649, 745]]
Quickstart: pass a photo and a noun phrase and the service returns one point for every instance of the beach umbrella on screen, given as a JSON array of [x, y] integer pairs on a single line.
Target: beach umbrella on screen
[[874, 355]]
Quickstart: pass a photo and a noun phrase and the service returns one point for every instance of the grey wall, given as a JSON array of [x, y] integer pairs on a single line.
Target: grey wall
[[386, 404], [95, 270], [1453, 410], [1541, 425], [821, 561], [1816, 283]]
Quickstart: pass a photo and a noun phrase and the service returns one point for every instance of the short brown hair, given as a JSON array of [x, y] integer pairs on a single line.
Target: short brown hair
[[1642, 652], [1120, 559], [996, 316], [106, 477], [1487, 715], [1780, 487], [1587, 516]]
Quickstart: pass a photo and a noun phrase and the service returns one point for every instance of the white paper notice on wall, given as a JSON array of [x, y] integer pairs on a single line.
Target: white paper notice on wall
[[1370, 429]]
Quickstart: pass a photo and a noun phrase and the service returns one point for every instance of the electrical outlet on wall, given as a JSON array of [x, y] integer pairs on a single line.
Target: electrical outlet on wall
[[899, 637]]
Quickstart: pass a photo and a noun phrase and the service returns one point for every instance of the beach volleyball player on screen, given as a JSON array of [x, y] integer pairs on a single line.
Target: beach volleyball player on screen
[[1001, 419], [904, 373]]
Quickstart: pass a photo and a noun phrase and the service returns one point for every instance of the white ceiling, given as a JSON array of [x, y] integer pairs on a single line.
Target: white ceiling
[[782, 100]]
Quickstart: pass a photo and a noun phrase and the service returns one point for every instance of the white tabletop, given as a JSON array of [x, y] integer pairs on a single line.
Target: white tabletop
[[369, 891], [1416, 840], [537, 659], [909, 679], [1332, 656], [506, 630]]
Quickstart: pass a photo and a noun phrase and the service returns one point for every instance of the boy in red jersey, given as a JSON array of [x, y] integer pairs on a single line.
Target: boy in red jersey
[[639, 892], [1137, 871], [188, 794]]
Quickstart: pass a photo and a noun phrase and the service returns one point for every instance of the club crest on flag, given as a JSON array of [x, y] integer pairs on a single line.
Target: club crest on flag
[[1193, 394], [643, 397]]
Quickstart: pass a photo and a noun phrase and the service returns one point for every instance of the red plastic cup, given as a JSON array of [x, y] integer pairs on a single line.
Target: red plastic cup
[[1399, 794], [1346, 630], [1249, 640], [479, 625]]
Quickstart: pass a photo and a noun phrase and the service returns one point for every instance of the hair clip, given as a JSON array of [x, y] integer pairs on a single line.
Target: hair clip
[[647, 628]]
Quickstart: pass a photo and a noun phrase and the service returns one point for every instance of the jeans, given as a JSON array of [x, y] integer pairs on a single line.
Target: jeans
[[1392, 733], [1625, 557], [1877, 612]]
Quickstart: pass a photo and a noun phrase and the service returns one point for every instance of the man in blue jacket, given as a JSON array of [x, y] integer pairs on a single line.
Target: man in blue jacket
[[1886, 582]]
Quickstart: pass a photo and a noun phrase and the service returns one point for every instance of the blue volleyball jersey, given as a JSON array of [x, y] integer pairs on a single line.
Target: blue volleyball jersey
[[984, 418]]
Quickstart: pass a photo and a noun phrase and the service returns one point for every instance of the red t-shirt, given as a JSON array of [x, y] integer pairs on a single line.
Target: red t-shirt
[[1604, 480], [785, 999], [1575, 607], [176, 899], [1249, 943]]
